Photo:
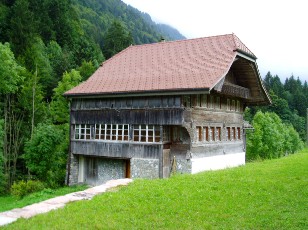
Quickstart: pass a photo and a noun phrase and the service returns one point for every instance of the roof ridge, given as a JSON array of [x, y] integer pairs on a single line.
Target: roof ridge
[[183, 40], [175, 41], [240, 45]]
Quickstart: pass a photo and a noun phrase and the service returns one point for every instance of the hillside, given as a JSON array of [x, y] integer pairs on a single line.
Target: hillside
[[96, 16], [272, 194]]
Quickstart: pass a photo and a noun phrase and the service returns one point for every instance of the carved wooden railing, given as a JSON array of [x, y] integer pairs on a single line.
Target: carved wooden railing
[[235, 90]]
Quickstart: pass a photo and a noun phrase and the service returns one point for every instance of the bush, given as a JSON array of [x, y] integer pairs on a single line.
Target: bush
[[45, 154], [22, 188]]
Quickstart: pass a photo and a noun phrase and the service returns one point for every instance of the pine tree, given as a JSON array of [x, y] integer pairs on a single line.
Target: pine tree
[[116, 39]]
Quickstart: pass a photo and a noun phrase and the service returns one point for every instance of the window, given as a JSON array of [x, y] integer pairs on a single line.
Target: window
[[238, 106], [111, 132], [82, 132], [199, 133], [218, 133], [186, 101], [212, 133], [204, 100], [238, 133], [108, 133], [195, 101], [146, 133], [228, 134], [206, 133], [228, 105], [218, 103], [233, 133], [123, 132], [99, 132], [233, 105], [166, 134], [119, 132], [212, 103]]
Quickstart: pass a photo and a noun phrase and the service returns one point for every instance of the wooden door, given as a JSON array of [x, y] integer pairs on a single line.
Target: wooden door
[[127, 169]]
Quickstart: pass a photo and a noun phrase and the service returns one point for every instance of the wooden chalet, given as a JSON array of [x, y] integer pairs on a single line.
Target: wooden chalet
[[166, 106]]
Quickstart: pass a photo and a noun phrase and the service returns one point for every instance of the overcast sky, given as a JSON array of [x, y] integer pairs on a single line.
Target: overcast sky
[[275, 31]]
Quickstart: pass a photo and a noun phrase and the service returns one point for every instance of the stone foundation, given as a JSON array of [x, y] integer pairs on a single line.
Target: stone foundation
[[183, 166], [144, 168], [73, 177]]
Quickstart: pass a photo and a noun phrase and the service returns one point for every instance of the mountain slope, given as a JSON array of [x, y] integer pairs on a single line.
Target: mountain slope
[[97, 15]]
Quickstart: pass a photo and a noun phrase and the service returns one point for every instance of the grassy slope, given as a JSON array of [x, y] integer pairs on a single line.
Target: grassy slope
[[11, 202], [263, 195]]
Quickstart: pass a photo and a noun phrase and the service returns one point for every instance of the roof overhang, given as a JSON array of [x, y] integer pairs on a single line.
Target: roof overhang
[[141, 94], [248, 76]]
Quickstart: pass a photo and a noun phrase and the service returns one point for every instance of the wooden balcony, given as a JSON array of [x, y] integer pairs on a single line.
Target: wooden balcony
[[235, 90]]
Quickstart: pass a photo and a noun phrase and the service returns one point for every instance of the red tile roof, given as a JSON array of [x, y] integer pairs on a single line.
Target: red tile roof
[[166, 66]]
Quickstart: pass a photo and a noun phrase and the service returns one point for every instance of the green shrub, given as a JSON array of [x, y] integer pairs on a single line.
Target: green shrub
[[22, 188], [271, 138]]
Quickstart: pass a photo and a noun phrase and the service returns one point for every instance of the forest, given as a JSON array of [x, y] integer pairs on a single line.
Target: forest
[[49, 46]]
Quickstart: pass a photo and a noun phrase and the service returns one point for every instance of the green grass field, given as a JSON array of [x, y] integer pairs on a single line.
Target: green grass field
[[271, 194], [10, 202]]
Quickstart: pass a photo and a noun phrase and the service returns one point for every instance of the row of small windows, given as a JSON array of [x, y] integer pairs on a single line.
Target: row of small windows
[[212, 102], [212, 133], [151, 133], [117, 132]]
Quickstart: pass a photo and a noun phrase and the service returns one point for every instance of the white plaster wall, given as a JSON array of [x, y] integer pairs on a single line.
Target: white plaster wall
[[217, 162]]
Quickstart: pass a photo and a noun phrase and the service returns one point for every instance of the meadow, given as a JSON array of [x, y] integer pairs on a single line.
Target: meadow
[[270, 194]]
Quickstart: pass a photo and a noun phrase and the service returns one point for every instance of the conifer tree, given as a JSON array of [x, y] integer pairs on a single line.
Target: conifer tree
[[116, 39]]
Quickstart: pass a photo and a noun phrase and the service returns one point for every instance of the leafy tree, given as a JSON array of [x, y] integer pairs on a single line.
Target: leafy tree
[[2, 173], [86, 70], [37, 61], [22, 26], [116, 39], [10, 71], [44, 156], [59, 61], [31, 100], [271, 138], [59, 107], [11, 76], [4, 13]]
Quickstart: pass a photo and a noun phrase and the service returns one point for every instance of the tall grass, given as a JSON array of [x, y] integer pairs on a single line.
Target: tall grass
[[272, 194]]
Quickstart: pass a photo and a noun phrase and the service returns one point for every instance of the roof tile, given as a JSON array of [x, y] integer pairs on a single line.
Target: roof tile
[[186, 64]]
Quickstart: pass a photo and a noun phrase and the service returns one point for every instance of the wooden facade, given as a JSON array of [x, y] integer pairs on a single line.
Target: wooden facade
[[147, 134]]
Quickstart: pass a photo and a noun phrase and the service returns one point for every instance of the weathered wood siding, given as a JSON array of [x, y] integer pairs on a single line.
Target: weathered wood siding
[[127, 102], [116, 150], [170, 116], [165, 110], [201, 116]]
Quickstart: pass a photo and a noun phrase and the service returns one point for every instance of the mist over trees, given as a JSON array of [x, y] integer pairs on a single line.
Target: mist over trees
[[49, 46]]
